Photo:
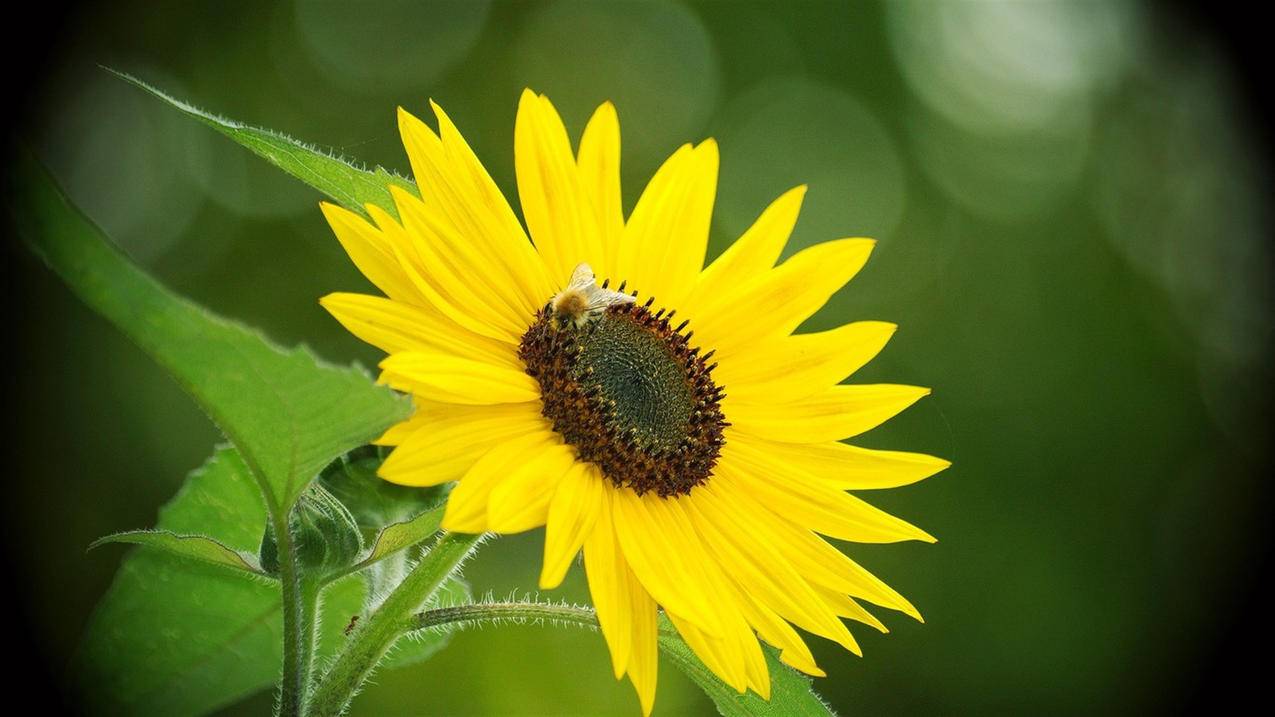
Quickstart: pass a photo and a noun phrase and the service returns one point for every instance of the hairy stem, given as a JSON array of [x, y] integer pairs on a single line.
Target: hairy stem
[[375, 635], [477, 613], [300, 602]]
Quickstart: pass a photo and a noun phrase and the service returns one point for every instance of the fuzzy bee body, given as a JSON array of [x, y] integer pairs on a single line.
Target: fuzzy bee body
[[583, 301]]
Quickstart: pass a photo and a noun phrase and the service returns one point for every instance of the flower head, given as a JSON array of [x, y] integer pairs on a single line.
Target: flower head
[[660, 415]]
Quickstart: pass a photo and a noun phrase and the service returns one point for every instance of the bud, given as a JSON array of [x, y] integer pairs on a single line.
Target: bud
[[325, 535]]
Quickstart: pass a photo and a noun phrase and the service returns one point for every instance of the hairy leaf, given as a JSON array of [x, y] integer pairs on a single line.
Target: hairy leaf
[[191, 547], [287, 412], [175, 636], [338, 178]]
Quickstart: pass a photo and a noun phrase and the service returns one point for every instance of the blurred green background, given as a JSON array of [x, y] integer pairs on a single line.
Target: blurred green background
[[1072, 238]]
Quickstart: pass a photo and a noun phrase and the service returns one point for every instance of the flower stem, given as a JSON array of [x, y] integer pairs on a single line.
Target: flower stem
[[503, 611], [374, 636], [300, 603]]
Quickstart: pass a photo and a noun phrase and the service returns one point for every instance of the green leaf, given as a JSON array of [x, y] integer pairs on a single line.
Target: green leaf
[[791, 694], [288, 413], [347, 184], [172, 636], [176, 636], [191, 547]]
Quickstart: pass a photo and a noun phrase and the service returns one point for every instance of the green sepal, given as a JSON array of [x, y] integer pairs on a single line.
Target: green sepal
[[394, 520], [325, 535]]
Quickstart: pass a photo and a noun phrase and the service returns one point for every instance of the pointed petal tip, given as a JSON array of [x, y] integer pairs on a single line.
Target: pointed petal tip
[[332, 211], [646, 697], [398, 194], [763, 690]]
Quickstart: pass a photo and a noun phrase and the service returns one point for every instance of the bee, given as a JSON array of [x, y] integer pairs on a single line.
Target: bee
[[583, 301]]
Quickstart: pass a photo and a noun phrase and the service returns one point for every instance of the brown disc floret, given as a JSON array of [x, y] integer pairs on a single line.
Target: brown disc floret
[[630, 393]]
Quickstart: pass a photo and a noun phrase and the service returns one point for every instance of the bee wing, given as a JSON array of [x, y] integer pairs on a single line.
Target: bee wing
[[596, 298], [581, 279], [599, 299]]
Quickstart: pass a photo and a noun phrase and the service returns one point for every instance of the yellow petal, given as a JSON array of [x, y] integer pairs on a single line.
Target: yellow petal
[[775, 630], [399, 432], [446, 439], [849, 467], [572, 514], [467, 504], [457, 267], [452, 180], [845, 606], [664, 242], [558, 212], [609, 585], [792, 367], [735, 656], [759, 573], [775, 303], [756, 250], [715, 653], [812, 556], [394, 326], [838, 412], [813, 505], [732, 652], [451, 379], [507, 246], [372, 253], [599, 163], [521, 501], [643, 664], [436, 283], [656, 539]]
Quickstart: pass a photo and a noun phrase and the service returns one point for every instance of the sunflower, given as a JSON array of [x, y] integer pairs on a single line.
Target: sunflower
[[659, 415]]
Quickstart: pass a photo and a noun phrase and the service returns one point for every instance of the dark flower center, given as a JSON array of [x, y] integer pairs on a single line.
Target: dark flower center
[[630, 393]]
